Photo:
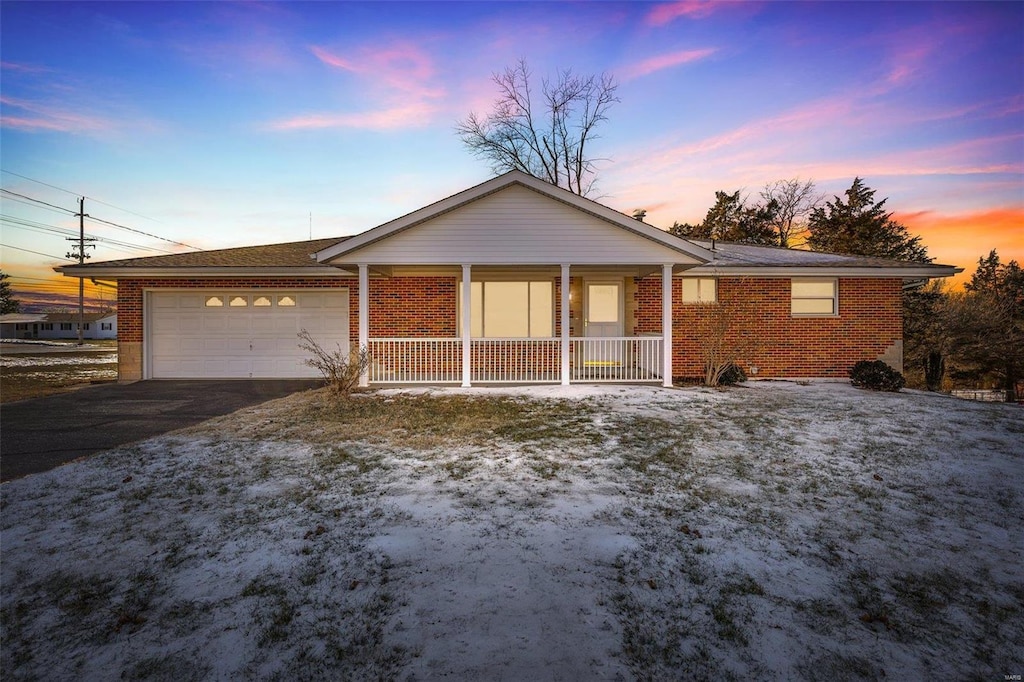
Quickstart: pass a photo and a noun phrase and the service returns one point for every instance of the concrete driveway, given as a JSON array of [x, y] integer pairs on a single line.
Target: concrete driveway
[[40, 434]]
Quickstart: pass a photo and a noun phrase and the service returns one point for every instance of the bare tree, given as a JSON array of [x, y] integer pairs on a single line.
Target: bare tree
[[547, 139], [725, 337], [341, 370], [794, 200]]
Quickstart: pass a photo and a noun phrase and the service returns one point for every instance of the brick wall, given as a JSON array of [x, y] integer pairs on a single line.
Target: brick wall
[[868, 325], [411, 307], [870, 322]]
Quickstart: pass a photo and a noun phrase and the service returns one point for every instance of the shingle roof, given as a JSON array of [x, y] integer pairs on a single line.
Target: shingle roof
[[289, 255], [736, 255]]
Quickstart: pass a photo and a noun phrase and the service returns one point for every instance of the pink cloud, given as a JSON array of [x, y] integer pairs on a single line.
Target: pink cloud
[[397, 77], [42, 116], [384, 119], [402, 67], [663, 61], [665, 13], [23, 68]]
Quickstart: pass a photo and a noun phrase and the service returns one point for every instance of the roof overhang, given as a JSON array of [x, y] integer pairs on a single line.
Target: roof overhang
[[197, 272], [924, 271], [497, 184]]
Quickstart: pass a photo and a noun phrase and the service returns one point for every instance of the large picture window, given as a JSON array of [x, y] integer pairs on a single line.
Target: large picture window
[[510, 309], [815, 297]]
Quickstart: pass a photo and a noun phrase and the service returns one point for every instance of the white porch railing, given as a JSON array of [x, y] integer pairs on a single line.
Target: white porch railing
[[514, 360], [415, 361], [505, 361], [617, 358]]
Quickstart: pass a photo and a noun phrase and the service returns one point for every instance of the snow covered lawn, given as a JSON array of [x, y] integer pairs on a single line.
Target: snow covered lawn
[[773, 530]]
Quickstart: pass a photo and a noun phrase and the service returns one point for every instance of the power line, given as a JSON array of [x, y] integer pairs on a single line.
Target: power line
[[99, 220], [45, 228], [132, 229], [77, 194], [62, 211], [18, 248], [38, 201]]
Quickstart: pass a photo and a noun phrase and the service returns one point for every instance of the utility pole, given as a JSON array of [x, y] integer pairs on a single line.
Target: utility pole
[[81, 256]]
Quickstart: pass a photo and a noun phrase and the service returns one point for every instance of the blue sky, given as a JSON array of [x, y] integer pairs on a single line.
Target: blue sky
[[227, 124]]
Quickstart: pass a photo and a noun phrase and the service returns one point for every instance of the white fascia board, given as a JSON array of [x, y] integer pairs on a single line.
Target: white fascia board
[[781, 271], [501, 182], [197, 272]]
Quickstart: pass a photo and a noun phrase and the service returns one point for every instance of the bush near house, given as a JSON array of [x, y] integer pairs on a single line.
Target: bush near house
[[877, 376]]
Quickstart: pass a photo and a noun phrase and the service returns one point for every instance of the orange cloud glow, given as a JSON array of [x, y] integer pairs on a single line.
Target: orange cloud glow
[[962, 239]]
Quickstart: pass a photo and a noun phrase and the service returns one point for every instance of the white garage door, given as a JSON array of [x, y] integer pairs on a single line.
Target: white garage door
[[241, 334]]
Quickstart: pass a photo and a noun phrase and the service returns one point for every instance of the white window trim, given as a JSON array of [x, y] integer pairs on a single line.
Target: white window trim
[[483, 298], [700, 291], [834, 281]]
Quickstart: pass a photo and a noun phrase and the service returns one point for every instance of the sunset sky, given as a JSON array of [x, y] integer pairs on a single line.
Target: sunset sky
[[221, 124]]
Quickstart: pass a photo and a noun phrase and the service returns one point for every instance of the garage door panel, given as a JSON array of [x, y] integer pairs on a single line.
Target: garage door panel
[[188, 339], [262, 325], [213, 324]]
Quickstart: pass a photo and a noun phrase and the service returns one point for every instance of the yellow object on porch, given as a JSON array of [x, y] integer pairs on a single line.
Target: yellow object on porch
[[602, 363]]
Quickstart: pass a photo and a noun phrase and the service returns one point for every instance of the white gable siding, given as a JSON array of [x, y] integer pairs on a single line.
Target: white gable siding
[[515, 226]]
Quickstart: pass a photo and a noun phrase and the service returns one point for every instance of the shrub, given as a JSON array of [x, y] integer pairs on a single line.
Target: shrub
[[341, 371], [732, 375], [876, 375]]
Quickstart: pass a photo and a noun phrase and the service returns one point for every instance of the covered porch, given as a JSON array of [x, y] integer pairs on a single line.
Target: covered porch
[[557, 324]]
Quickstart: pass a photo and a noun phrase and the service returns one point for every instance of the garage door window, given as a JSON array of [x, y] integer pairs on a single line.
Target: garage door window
[[286, 301], [261, 301], [239, 301], [214, 301]]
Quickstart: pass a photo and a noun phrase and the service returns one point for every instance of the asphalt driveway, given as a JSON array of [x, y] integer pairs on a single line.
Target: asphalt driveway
[[40, 434]]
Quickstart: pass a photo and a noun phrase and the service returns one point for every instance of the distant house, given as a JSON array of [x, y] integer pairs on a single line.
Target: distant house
[[513, 280], [58, 326]]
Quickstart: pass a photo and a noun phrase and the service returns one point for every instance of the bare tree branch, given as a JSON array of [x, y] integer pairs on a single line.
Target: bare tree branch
[[551, 142], [794, 200]]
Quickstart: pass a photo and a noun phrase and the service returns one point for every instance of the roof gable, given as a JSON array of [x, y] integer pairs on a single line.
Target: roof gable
[[514, 219]]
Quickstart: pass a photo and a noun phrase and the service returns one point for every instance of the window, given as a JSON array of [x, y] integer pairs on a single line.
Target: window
[[511, 309], [106, 326], [21, 327], [47, 326], [214, 301], [286, 301], [239, 302], [261, 301], [700, 290], [814, 297], [85, 327], [65, 326]]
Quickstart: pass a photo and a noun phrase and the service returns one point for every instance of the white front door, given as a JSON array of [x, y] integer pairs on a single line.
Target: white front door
[[603, 319]]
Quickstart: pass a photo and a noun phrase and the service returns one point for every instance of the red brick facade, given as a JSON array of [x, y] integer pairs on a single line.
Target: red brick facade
[[868, 325]]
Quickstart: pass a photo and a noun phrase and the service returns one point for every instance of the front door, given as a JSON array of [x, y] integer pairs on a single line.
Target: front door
[[603, 320]]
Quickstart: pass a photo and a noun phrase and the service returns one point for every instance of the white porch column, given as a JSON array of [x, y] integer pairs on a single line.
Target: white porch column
[[467, 323], [565, 323], [666, 325], [364, 317]]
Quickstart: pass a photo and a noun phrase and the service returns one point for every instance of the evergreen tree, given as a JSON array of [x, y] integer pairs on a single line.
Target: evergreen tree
[[8, 304], [987, 322], [862, 227], [731, 220]]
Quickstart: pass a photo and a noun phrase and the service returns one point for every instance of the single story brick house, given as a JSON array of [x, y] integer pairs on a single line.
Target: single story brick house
[[102, 325], [561, 289]]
